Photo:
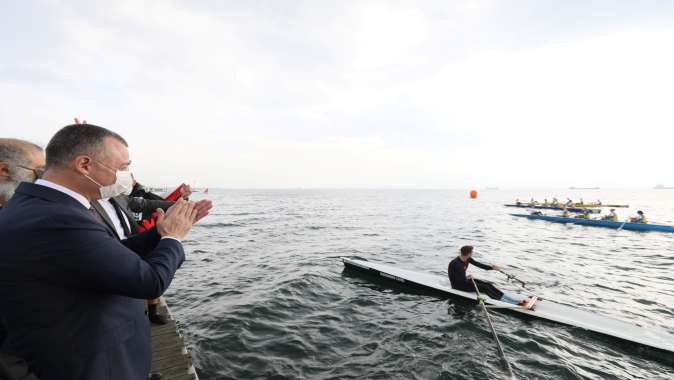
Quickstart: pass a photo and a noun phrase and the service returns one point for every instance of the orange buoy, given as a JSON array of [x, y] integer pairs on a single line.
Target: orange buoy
[[473, 194]]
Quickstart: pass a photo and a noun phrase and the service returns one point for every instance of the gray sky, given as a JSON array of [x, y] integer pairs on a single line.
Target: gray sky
[[401, 94]]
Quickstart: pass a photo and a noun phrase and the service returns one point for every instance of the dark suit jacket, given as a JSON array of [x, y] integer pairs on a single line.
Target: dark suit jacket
[[71, 294]]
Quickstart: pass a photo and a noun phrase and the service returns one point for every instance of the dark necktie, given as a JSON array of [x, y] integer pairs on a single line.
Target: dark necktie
[[122, 219]]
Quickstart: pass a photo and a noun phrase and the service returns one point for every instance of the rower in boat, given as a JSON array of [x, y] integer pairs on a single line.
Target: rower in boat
[[612, 216], [457, 277], [555, 202], [640, 218], [565, 212], [545, 202], [517, 202], [569, 202], [533, 202], [584, 215]]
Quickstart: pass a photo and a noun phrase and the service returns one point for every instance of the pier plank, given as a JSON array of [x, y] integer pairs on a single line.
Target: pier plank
[[170, 355]]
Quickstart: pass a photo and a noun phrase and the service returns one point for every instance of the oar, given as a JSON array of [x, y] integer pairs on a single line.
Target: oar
[[622, 225], [512, 277], [523, 284], [480, 300]]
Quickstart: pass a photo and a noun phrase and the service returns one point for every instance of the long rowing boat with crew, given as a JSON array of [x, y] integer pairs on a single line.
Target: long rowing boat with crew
[[597, 204], [585, 205], [543, 207], [659, 339], [576, 205], [599, 223]]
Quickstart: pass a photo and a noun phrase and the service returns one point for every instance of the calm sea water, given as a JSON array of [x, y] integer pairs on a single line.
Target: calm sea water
[[263, 293]]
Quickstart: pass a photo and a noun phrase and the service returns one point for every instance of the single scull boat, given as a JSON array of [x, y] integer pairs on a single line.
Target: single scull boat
[[544, 309]]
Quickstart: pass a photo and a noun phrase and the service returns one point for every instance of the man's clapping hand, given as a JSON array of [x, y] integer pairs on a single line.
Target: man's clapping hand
[[203, 207], [177, 220]]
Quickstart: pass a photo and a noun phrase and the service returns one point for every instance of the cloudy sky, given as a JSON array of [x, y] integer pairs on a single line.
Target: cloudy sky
[[390, 94]]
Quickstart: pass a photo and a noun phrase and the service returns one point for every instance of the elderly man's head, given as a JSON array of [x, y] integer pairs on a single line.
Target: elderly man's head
[[20, 161], [87, 158]]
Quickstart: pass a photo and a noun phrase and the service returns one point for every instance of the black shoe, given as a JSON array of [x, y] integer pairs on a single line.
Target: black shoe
[[154, 376], [157, 319]]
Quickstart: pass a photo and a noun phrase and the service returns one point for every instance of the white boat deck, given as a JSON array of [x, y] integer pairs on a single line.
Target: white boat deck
[[657, 338]]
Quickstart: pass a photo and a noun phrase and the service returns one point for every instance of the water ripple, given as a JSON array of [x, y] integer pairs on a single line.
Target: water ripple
[[263, 294]]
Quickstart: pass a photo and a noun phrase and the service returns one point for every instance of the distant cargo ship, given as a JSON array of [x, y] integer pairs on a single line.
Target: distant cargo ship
[[157, 189], [663, 187], [583, 188]]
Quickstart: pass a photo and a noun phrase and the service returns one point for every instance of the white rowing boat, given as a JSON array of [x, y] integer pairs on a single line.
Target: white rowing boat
[[544, 309]]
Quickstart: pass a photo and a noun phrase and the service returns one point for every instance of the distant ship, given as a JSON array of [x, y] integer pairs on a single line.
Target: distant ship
[[158, 189], [663, 187], [583, 188]]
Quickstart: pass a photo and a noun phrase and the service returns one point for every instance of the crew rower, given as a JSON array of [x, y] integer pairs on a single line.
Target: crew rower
[[584, 215], [565, 212], [569, 202], [640, 218], [612, 216], [457, 277]]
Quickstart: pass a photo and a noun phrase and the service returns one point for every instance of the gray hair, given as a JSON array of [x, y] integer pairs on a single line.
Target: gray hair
[[15, 153], [75, 140]]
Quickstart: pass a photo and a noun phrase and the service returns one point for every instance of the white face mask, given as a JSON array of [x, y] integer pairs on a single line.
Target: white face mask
[[123, 184]]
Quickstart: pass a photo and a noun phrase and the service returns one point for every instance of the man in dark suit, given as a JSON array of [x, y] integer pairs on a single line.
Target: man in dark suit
[[118, 215], [20, 161], [71, 294]]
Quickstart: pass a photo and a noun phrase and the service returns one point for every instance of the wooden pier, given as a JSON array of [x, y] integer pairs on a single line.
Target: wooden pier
[[170, 355]]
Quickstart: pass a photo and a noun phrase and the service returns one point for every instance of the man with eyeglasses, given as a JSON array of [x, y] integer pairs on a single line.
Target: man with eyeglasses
[[20, 161]]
